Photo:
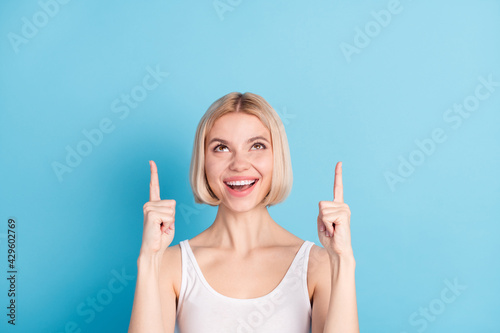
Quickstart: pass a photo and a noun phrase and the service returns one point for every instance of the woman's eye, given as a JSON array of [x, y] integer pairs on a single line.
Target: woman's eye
[[217, 147], [259, 146]]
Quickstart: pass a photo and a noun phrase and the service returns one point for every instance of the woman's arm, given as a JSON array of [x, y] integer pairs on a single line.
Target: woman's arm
[[342, 315], [334, 233], [146, 310], [153, 287], [334, 307]]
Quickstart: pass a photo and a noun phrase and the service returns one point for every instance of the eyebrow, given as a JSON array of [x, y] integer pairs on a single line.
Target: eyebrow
[[249, 140]]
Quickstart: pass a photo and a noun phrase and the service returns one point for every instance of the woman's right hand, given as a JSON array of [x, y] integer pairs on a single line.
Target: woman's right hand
[[159, 219]]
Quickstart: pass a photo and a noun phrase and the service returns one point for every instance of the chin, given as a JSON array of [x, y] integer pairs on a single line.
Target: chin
[[243, 205]]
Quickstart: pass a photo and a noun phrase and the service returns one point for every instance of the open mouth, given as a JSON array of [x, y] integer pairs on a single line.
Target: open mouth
[[240, 186]]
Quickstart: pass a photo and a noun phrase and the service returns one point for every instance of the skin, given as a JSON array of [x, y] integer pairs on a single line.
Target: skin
[[245, 253], [240, 223]]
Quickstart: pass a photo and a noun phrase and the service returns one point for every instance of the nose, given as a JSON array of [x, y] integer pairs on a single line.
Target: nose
[[239, 162]]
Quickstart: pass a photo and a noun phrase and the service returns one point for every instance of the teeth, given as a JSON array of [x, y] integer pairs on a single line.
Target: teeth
[[241, 182]]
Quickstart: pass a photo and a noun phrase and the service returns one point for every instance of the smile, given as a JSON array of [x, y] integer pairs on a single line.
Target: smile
[[241, 188]]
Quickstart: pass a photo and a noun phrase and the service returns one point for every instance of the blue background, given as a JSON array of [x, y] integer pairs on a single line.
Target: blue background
[[366, 109]]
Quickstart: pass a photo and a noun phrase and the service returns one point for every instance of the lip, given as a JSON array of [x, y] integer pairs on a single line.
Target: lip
[[230, 179], [240, 193]]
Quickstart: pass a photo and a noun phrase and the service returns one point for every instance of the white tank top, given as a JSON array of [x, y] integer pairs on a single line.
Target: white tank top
[[201, 309]]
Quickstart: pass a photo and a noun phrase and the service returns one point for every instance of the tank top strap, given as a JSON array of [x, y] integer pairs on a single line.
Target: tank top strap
[[297, 277], [299, 263], [188, 274]]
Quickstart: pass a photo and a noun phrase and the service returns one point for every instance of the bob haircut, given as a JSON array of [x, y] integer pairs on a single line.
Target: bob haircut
[[253, 104]]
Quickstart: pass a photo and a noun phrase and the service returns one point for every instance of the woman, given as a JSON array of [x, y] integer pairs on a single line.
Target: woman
[[244, 273]]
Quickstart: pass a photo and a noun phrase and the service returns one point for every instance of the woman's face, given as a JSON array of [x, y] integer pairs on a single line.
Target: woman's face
[[239, 148]]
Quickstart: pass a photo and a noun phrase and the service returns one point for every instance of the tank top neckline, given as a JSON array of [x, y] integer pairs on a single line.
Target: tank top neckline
[[215, 292]]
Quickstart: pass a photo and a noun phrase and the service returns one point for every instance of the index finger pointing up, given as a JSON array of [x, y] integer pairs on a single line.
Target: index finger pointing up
[[338, 188], [154, 185]]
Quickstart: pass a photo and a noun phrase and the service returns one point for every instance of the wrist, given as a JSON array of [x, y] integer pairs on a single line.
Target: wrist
[[342, 267], [345, 258], [149, 259]]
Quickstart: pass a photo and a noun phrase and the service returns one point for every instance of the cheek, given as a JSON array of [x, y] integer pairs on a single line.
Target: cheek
[[264, 163], [209, 169], [210, 162], [213, 169]]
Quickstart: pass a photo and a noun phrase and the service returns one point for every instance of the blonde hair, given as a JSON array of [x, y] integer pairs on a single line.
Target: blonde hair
[[253, 104]]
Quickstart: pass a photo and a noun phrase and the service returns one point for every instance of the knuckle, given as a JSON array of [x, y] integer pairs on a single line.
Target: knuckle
[[169, 202]]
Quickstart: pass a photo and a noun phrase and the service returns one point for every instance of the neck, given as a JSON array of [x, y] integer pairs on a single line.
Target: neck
[[242, 231]]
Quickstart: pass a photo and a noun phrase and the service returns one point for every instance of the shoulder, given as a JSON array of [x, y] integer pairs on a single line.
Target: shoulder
[[170, 271]]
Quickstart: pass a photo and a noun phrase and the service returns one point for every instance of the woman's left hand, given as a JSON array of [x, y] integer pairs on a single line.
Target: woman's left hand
[[334, 220]]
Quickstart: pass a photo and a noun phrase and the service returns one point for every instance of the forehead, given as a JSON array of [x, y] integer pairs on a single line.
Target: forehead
[[238, 124]]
